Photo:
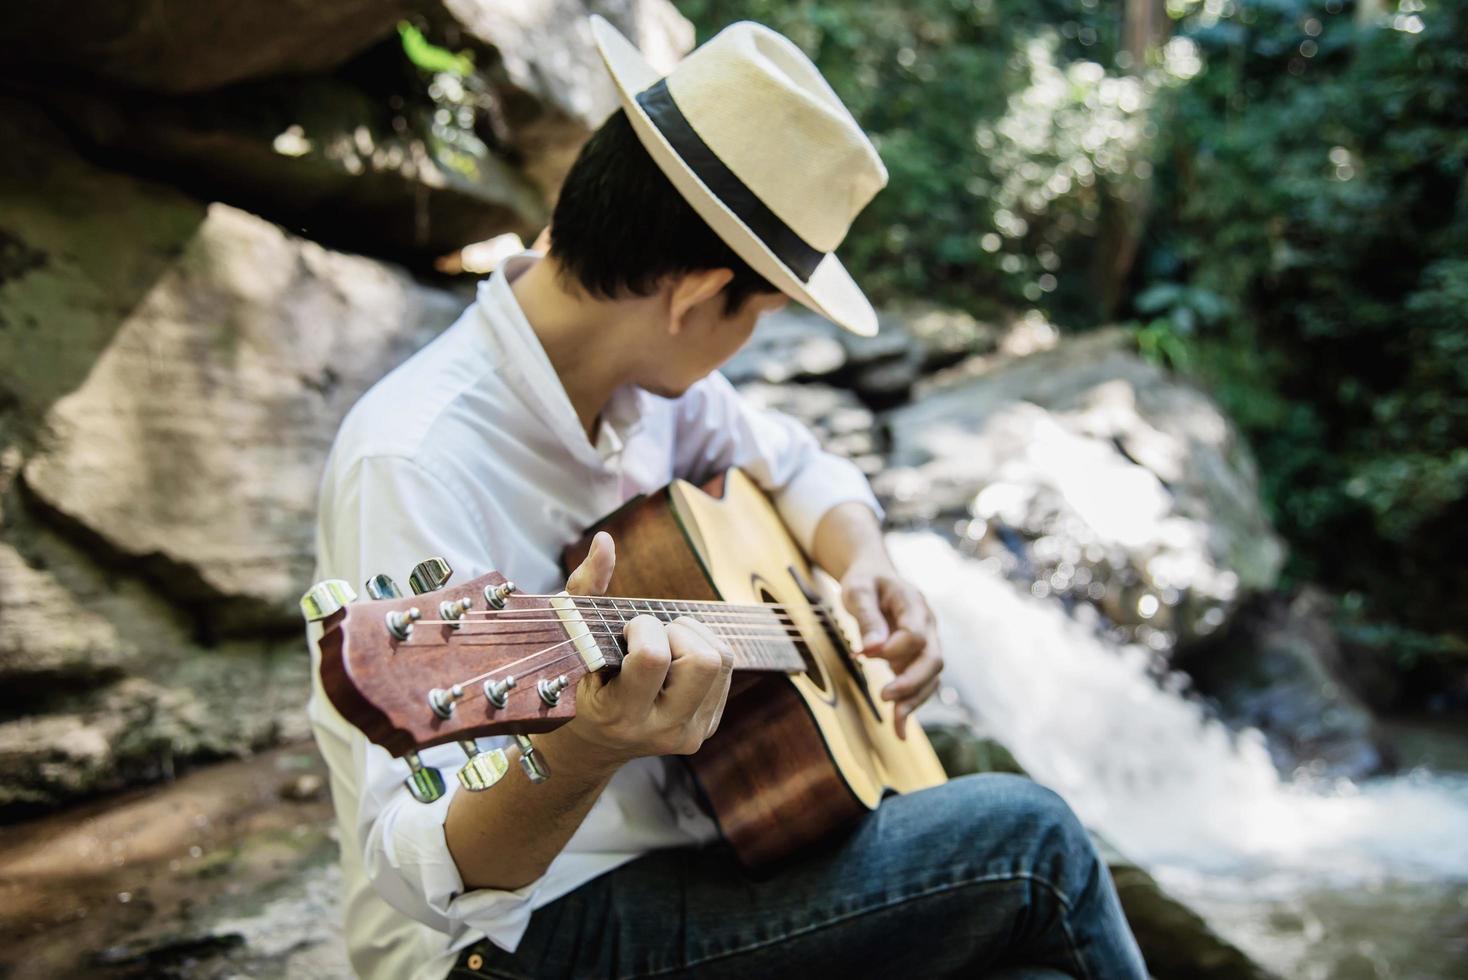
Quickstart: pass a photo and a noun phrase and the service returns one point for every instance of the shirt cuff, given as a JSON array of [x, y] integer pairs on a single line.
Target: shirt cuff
[[825, 482], [408, 859]]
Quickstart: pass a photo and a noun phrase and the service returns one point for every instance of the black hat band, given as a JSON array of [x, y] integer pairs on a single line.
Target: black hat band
[[788, 247]]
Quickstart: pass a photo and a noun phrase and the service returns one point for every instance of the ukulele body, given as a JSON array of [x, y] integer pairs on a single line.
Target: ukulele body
[[798, 756]]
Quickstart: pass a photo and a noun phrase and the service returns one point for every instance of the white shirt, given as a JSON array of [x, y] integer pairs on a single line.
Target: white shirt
[[472, 451]]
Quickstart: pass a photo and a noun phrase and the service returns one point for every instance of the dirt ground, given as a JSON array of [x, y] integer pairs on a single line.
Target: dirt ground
[[227, 871]]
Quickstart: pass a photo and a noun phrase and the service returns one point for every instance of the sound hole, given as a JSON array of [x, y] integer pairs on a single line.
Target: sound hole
[[813, 669]]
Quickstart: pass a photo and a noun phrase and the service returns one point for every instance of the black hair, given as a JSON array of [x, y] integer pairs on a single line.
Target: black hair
[[620, 226]]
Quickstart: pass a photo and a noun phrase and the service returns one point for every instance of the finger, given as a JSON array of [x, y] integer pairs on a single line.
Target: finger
[[860, 599], [696, 665], [902, 649], [646, 666], [904, 709], [912, 679], [594, 574], [711, 711]]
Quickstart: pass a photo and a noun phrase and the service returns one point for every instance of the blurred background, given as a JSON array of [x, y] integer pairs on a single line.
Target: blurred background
[[1169, 411]]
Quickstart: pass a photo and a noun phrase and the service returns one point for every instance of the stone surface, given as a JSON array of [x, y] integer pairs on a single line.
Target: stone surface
[[320, 155], [179, 46], [1276, 667], [839, 420], [1088, 472], [187, 391]]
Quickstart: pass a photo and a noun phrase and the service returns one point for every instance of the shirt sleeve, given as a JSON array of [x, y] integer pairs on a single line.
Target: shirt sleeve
[[385, 515], [717, 429]]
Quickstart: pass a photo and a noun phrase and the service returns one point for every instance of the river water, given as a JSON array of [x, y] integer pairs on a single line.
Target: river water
[[1315, 879]]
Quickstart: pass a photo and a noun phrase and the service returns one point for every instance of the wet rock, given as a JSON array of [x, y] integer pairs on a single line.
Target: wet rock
[[1086, 472], [1175, 941], [1275, 667], [320, 155]]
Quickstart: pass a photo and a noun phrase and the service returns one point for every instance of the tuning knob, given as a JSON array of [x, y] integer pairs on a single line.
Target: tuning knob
[[535, 767], [453, 610], [497, 692], [483, 769], [550, 691], [382, 587], [325, 598], [424, 782], [428, 575], [400, 623], [496, 595]]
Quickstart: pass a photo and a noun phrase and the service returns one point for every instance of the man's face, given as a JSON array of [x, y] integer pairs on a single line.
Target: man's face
[[710, 335]]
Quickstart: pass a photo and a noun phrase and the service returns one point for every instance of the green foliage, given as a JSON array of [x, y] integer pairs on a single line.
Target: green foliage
[[990, 116], [1303, 174], [429, 56], [1314, 176]]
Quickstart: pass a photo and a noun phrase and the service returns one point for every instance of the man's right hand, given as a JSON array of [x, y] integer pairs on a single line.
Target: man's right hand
[[670, 693]]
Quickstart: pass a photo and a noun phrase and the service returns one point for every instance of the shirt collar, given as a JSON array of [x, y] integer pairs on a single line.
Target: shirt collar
[[527, 368]]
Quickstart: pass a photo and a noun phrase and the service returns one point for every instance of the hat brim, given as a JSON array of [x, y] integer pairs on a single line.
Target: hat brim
[[830, 291]]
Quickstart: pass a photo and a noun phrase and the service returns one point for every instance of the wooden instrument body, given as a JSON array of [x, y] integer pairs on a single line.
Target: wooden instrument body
[[796, 756]]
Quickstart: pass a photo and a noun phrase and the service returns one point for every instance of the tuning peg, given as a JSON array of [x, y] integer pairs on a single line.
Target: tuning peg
[[400, 623], [550, 691], [382, 587], [424, 782], [483, 769], [454, 609], [535, 767], [325, 598], [497, 692], [496, 595], [442, 700], [428, 575]]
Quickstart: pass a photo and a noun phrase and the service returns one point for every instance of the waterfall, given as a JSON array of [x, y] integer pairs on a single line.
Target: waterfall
[[1175, 790]]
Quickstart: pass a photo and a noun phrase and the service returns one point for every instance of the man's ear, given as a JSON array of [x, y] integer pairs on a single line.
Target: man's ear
[[692, 288]]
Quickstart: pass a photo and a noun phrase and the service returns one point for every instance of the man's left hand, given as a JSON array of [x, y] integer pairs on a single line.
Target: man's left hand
[[896, 625]]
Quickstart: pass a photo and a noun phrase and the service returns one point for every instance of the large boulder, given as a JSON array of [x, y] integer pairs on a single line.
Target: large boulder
[[179, 46], [171, 377], [183, 394], [1090, 473]]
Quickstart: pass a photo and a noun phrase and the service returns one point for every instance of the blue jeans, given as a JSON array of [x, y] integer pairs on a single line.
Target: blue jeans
[[988, 874]]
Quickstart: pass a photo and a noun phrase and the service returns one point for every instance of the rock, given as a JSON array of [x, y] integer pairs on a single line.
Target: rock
[[842, 424], [1275, 667], [1175, 941], [552, 85], [320, 155], [1087, 472], [177, 46], [194, 367], [797, 345], [790, 345], [302, 787]]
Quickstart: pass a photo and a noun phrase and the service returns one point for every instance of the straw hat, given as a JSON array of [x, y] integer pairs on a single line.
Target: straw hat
[[754, 139]]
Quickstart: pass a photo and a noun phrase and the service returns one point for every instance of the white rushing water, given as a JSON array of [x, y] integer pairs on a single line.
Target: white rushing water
[[1175, 791]]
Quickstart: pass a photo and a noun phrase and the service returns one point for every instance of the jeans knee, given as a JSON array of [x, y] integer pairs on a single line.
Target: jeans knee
[[1037, 822]]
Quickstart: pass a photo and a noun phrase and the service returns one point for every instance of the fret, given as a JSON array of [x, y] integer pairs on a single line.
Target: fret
[[609, 644]]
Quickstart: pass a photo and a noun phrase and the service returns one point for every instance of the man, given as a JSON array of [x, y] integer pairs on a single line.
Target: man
[[578, 379]]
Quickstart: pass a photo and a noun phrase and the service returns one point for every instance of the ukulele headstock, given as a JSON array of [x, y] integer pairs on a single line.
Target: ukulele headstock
[[451, 663]]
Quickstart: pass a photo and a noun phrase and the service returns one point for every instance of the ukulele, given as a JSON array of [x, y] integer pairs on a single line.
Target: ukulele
[[805, 746]]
